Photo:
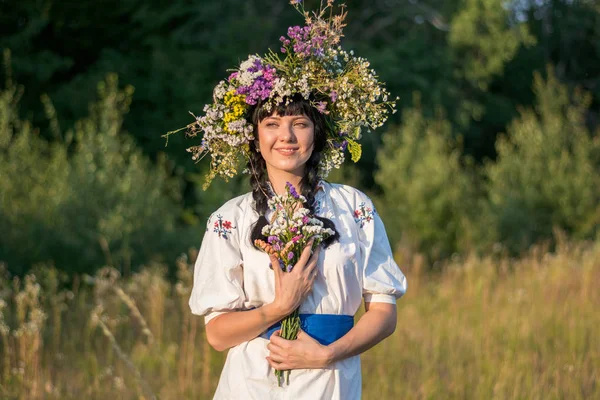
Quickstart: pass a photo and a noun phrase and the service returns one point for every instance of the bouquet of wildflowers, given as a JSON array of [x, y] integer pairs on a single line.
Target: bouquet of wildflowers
[[290, 230]]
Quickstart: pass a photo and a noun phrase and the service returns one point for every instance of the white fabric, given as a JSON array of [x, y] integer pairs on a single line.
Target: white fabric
[[230, 274]]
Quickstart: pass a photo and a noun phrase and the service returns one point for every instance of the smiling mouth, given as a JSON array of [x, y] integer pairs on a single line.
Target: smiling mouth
[[287, 152]]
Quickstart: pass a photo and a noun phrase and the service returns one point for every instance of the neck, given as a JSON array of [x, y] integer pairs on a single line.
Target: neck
[[278, 180]]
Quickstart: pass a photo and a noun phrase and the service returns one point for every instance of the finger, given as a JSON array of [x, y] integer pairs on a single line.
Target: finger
[[278, 358], [315, 273], [312, 263], [315, 256], [276, 365], [273, 348], [304, 336], [275, 265], [304, 256], [316, 253], [279, 341]]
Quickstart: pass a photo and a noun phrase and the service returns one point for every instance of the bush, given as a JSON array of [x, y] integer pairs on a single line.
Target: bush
[[547, 174], [89, 199], [428, 194]]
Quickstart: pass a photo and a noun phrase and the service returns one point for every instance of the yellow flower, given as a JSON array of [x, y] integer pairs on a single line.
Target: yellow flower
[[236, 103]]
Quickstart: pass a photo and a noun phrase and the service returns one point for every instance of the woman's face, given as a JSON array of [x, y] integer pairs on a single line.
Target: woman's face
[[286, 142]]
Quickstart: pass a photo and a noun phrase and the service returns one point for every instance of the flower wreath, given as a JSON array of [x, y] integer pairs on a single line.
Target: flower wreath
[[311, 63]]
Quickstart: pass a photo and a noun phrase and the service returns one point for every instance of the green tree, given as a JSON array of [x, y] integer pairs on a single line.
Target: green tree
[[90, 199], [429, 196], [548, 170]]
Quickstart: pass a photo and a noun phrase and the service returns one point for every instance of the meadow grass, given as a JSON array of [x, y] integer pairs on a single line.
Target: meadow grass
[[480, 328]]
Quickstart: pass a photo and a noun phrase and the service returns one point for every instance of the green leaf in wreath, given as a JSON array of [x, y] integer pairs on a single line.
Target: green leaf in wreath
[[355, 149]]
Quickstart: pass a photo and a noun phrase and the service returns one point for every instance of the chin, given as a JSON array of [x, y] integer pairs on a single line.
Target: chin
[[288, 166]]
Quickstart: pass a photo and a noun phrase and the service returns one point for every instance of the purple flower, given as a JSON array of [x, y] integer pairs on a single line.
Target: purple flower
[[301, 36], [283, 50], [344, 145], [296, 239], [322, 106], [293, 229], [295, 1], [294, 32], [261, 87], [290, 255], [305, 220], [333, 96], [292, 190]]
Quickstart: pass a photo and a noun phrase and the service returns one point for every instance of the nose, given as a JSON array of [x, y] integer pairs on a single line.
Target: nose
[[287, 133]]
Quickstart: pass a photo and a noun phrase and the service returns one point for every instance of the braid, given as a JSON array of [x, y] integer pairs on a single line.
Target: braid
[[258, 181], [308, 184]]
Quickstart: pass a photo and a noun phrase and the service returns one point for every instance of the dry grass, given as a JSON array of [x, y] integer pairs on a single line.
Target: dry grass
[[483, 328], [505, 329]]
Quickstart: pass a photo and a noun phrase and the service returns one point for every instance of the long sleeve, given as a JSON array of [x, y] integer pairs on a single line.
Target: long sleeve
[[383, 281], [218, 272]]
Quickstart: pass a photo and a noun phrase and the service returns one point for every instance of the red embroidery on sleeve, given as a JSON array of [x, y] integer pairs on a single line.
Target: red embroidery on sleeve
[[363, 214], [223, 228]]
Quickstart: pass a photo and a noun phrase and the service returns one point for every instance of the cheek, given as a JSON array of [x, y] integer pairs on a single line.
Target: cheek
[[309, 142], [265, 140]]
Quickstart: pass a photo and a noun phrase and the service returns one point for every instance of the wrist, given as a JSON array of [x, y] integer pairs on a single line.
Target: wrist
[[276, 311], [329, 354]]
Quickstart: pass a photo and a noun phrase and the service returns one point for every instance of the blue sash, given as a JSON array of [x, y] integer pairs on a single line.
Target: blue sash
[[324, 328]]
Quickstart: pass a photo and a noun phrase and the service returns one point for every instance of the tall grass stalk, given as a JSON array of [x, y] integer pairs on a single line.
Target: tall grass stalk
[[480, 327]]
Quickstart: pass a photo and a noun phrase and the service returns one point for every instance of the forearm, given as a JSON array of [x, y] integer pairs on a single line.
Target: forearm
[[230, 329], [375, 325]]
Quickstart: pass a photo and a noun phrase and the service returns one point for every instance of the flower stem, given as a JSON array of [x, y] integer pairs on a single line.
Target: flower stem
[[290, 326]]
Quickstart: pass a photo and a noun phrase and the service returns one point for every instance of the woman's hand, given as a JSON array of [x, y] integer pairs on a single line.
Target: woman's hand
[[291, 288], [302, 353]]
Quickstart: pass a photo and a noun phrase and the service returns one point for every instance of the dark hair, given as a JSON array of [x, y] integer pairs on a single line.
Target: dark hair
[[258, 167]]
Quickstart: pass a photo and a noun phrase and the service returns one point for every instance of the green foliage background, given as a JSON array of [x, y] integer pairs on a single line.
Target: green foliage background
[[496, 145]]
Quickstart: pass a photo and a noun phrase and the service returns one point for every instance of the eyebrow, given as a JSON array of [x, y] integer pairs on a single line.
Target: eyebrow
[[296, 117]]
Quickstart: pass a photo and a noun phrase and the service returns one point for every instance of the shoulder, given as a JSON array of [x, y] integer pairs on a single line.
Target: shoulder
[[227, 220], [347, 193], [236, 205], [356, 202], [234, 209]]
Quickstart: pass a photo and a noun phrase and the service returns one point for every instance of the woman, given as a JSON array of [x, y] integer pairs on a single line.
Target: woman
[[291, 138]]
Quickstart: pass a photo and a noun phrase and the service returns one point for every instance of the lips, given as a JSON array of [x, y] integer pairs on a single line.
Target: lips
[[287, 150]]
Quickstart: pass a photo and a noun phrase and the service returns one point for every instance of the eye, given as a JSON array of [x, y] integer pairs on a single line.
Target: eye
[[301, 124], [272, 125]]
